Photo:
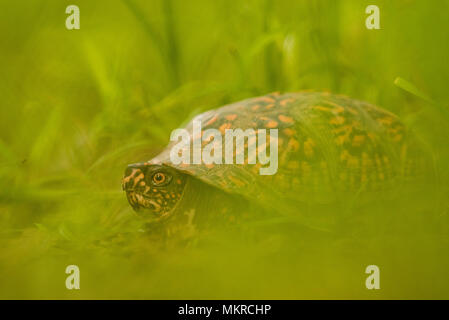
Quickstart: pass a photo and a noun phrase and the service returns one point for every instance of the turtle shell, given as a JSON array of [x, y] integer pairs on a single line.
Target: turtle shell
[[328, 145]]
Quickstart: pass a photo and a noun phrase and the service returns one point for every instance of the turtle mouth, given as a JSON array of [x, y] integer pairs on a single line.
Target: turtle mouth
[[143, 205]]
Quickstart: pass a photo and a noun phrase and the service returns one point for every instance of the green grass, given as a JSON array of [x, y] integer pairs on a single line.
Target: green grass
[[78, 106]]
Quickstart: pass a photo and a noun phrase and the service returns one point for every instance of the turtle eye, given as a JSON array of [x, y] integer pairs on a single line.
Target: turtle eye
[[160, 178]]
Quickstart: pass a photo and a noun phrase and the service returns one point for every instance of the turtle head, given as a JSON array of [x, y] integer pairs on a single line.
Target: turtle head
[[152, 188]]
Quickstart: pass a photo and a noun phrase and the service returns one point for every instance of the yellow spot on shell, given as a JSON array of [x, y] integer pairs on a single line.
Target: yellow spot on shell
[[286, 119], [321, 108], [236, 181], [265, 99], [280, 142], [357, 141], [337, 108], [353, 111], [283, 103], [346, 129], [344, 155], [386, 121], [223, 127], [271, 124], [341, 139], [353, 162], [309, 144], [306, 169], [337, 120], [394, 130], [367, 163], [212, 120], [293, 144], [378, 161], [231, 117], [371, 136], [289, 132]]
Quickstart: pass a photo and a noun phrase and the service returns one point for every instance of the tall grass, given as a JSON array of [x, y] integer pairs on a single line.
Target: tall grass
[[78, 106]]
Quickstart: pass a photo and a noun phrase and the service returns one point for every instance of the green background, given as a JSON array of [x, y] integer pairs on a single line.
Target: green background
[[78, 106]]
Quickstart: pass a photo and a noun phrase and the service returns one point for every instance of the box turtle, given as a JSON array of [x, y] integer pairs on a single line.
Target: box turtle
[[330, 147]]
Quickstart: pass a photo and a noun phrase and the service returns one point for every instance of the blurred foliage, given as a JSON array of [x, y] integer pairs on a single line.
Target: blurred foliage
[[78, 106]]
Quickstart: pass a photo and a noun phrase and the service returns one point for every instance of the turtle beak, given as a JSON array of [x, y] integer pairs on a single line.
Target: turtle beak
[[133, 175], [132, 199]]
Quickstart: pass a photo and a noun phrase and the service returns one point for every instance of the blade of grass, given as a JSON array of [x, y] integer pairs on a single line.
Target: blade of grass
[[412, 89], [168, 47], [45, 141], [172, 42], [6, 153], [116, 153], [149, 30]]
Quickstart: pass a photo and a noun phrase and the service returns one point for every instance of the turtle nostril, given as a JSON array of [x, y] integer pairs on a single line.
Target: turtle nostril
[[133, 174]]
